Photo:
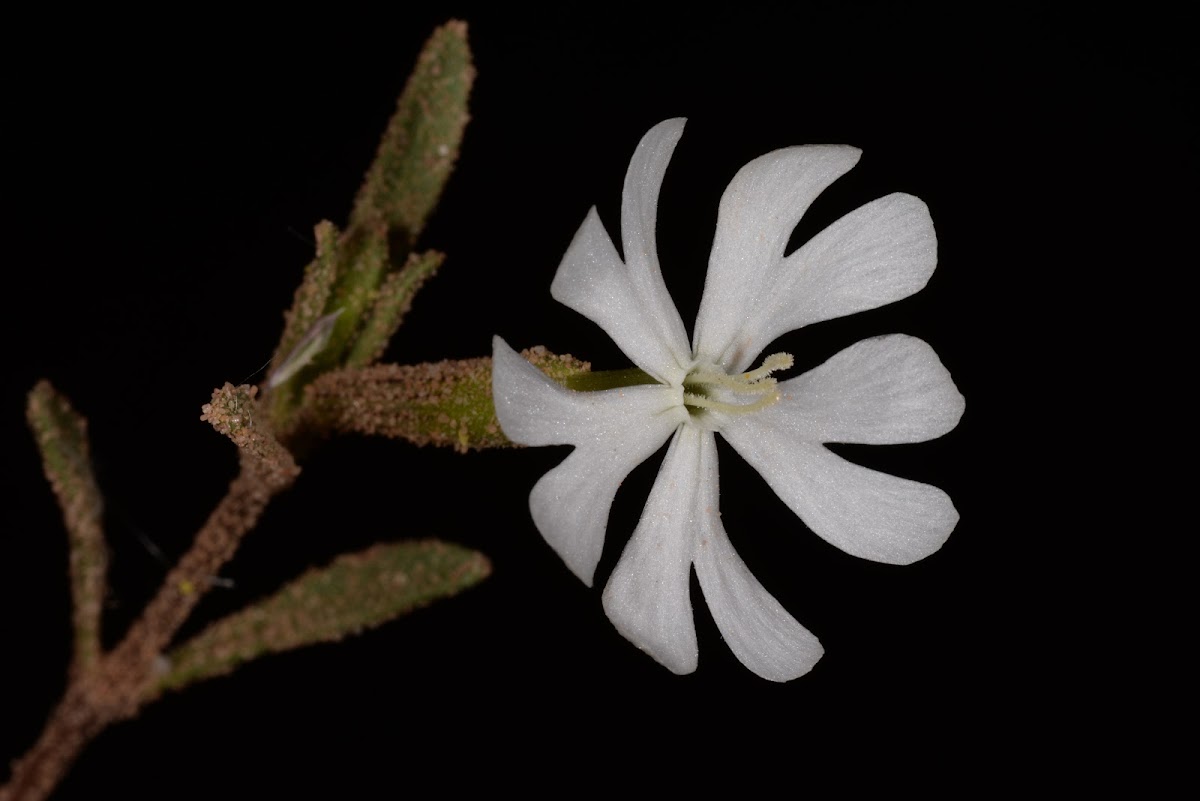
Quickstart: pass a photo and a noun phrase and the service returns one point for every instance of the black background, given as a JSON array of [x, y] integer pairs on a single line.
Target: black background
[[162, 181]]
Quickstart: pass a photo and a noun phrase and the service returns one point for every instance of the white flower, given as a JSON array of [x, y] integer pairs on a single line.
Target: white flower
[[885, 390]]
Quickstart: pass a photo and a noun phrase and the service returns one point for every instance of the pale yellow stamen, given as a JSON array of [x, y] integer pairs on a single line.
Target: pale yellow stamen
[[772, 364], [755, 382]]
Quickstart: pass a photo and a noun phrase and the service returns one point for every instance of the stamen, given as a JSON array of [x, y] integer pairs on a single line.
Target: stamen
[[700, 402], [755, 382], [734, 383], [772, 364]]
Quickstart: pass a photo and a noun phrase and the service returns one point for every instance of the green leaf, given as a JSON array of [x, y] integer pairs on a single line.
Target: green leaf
[[308, 309], [312, 296], [420, 146], [61, 435], [393, 302], [366, 262], [415, 159], [358, 272], [355, 592]]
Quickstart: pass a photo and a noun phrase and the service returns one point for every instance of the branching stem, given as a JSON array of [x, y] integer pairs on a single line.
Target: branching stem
[[123, 679]]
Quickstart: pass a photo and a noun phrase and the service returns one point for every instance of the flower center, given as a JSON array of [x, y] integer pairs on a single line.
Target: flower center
[[708, 387]]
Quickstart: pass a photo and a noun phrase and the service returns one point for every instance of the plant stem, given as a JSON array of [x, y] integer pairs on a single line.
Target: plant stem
[[123, 679]]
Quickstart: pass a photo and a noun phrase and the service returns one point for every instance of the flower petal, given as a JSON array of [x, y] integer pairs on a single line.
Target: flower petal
[[614, 431], [865, 513], [759, 211], [629, 299], [880, 391], [639, 217], [594, 281], [760, 632], [875, 255], [570, 504], [647, 597]]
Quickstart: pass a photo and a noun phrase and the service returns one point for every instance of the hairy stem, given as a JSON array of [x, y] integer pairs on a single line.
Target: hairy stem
[[124, 679]]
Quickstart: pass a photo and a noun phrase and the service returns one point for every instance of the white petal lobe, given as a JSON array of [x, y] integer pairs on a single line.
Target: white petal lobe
[[613, 432], [594, 281], [570, 505], [647, 597], [639, 215], [759, 631], [759, 210], [863, 512], [881, 391], [878, 254]]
